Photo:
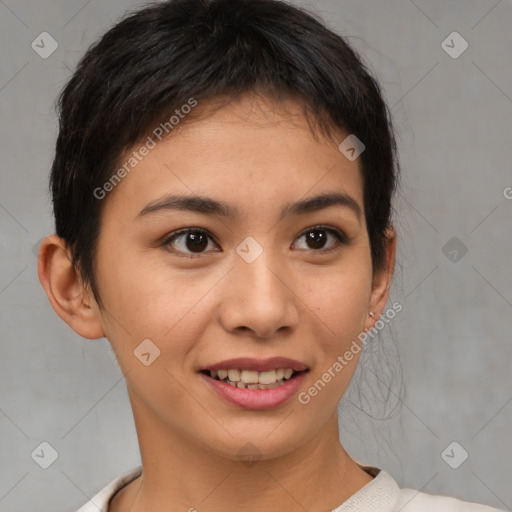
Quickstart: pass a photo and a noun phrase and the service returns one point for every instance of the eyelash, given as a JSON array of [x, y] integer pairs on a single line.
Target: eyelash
[[342, 239]]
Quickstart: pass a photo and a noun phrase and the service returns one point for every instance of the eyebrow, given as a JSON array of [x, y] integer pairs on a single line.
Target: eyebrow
[[209, 206]]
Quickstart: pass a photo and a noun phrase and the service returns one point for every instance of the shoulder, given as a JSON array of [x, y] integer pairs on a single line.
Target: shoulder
[[100, 501], [410, 500], [383, 494]]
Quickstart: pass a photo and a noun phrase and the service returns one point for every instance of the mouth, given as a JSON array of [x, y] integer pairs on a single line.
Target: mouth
[[255, 384]]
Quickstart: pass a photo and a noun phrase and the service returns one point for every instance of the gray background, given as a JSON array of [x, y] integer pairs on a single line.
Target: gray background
[[453, 117]]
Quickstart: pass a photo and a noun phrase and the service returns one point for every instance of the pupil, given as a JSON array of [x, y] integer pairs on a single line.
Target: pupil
[[196, 241], [317, 238]]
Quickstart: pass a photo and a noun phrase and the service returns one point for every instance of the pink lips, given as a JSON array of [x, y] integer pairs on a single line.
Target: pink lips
[[256, 398]]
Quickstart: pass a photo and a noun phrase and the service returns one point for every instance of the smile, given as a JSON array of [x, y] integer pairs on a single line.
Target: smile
[[251, 379], [255, 384]]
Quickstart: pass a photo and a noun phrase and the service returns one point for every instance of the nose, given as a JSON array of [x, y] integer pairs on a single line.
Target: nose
[[259, 299]]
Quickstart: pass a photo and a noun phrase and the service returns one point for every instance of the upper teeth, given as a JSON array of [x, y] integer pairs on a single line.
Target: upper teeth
[[252, 376]]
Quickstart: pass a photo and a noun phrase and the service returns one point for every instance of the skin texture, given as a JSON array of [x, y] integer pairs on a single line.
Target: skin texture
[[294, 300]]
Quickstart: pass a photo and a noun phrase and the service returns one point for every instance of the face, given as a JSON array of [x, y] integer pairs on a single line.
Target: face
[[257, 270]]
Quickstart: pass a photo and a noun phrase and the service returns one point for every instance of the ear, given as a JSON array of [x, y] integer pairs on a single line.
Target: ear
[[65, 291], [382, 281]]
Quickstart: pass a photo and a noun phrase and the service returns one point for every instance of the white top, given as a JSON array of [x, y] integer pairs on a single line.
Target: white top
[[382, 494]]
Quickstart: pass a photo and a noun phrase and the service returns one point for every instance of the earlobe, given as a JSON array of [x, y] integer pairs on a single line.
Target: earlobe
[[382, 280], [67, 295]]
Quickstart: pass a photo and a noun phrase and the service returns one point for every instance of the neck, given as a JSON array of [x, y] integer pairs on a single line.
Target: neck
[[184, 476]]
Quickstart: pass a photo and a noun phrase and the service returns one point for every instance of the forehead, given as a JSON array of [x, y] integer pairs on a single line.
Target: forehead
[[253, 150]]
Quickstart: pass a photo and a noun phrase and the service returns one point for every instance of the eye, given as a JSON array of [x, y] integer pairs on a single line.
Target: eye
[[188, 242], [316, 238], [192, 242]]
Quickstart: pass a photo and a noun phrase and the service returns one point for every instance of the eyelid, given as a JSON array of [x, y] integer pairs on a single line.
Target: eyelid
[[331, 229]]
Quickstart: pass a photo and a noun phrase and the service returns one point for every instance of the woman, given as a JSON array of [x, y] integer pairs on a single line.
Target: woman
[[222, 191]]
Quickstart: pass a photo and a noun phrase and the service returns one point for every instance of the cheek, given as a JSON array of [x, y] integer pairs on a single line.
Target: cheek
[[340, 303], [339, 299], [150, 301]]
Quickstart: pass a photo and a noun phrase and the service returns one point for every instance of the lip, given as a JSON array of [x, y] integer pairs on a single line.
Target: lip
[[259, 365], [254, 398]]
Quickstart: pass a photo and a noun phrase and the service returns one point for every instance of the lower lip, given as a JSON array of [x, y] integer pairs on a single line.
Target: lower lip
[[256, 398]]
